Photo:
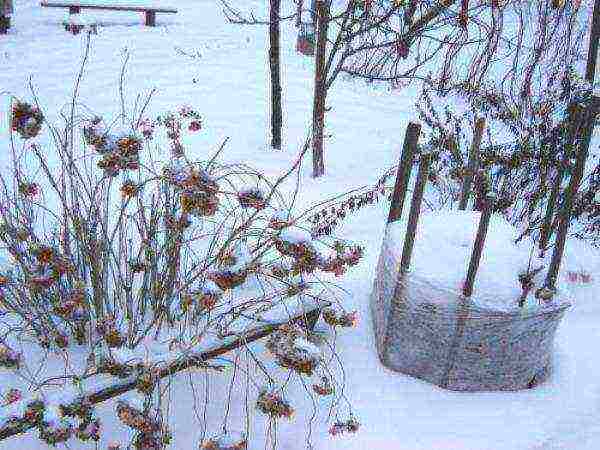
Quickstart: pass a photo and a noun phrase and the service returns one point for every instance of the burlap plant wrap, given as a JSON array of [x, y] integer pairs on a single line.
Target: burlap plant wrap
[[436, 335]]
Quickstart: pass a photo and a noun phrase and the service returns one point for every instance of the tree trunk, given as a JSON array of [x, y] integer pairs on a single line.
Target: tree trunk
[[299, 9], [313, 13], [274, 62], [318, 124]]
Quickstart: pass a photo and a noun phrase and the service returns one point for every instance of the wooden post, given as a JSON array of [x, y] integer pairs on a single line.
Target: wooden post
[[587, 119], [546, 231], [150, 18], [4, 23], [415, 211], [6, 10], [274, 65], [590, 70], [473, 163], [478, 245], [320, 93], [411, 138], [299, 8]]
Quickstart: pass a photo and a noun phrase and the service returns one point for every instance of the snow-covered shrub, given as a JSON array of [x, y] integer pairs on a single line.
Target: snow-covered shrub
[[124, 263], [526, 145]]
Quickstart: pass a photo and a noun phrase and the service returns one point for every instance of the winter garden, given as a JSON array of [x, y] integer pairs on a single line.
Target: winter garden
[[294, 224]]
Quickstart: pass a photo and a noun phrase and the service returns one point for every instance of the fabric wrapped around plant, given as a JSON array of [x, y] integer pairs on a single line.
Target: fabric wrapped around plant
[[426, 328]]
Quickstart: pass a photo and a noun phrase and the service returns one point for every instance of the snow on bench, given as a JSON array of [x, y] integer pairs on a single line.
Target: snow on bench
[[75, 7]]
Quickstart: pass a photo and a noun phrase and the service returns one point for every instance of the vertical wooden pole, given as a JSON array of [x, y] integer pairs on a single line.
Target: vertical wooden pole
[[590, 70], [299, 8], [415, 211], [4, 23], [411, 138], [150, 18], [320, 88], [484, 222], [588, 119], [546, 231], [275, 67], [473, 163]]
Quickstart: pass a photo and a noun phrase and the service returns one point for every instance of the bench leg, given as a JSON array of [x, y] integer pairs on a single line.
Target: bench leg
[[150, 18]]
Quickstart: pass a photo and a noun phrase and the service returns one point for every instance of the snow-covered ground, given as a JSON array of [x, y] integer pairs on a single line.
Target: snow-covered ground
[[196, 58]]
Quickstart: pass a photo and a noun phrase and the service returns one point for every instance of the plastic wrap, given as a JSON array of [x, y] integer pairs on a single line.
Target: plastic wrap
[[437, 335]]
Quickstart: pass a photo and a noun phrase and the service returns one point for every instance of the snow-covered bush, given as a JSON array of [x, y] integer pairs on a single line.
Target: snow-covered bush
[[527, 143], [125, 264]]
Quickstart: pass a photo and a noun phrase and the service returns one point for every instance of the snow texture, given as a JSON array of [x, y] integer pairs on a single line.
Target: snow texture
[[197, 57]]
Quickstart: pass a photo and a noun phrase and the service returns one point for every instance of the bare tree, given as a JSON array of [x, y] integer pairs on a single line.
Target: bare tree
[[322, 12], [445, 43], [275, 67], [237, 17]]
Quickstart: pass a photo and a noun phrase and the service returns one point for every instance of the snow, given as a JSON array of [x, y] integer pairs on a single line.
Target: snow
[[307, 347], [195, 57], [442, 251], [295, 235], [210, 288]]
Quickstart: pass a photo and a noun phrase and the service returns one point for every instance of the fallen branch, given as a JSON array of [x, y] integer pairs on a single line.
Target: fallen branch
[[308, 319]]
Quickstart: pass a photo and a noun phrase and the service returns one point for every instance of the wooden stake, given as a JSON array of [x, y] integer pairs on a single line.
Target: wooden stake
[[546, 232], [589, 116], [484, 222], [404, 170], [590, 70], [587, 120], [415, 211], [299, 8], [473, 163]]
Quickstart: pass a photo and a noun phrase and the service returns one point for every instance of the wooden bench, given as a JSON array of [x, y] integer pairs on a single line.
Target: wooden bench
[[76, 7]]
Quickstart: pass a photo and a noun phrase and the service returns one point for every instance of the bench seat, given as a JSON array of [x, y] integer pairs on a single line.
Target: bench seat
[[75, 7]]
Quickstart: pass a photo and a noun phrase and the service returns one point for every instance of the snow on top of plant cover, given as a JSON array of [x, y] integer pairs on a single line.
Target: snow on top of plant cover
[[52, 414], [442, 250]]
